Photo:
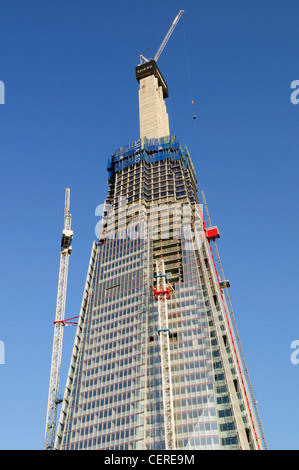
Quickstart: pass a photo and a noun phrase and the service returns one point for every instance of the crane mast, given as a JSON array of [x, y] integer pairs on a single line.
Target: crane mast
[[53, 400], [162, 293]]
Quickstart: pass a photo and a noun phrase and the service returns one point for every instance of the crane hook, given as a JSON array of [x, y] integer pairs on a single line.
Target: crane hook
[[194, 115]]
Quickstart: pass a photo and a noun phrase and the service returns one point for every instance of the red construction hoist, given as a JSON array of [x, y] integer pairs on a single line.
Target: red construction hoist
[[162, 293]]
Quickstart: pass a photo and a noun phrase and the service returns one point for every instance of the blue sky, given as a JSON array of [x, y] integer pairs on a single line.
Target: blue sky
[[71, 99]]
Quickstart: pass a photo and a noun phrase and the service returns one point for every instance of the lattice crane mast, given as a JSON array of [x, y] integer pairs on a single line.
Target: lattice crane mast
[[53, 400], [165, 40], [162, 293]]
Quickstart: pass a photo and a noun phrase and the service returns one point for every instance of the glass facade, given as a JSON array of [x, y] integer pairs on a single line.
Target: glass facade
[[114, 396], [194, 405], [107, 396]]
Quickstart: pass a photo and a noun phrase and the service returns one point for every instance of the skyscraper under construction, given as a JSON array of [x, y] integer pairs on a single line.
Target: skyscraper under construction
[[157, 362]]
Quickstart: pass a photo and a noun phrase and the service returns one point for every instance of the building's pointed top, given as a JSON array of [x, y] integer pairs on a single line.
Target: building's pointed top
[[153, 117], [153, 89]]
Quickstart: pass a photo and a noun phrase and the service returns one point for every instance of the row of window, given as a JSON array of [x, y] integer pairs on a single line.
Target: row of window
[[192, 370]]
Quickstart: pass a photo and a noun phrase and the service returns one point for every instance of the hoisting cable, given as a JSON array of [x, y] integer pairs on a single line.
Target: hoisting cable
[[188, 73]]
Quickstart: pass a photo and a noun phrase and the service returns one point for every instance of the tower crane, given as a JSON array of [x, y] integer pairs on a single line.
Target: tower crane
[[165, 40], [149, 66], [53, 400], [162, 293]]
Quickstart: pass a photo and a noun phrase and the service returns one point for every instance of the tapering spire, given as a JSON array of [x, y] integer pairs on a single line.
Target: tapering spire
[[153, 117]]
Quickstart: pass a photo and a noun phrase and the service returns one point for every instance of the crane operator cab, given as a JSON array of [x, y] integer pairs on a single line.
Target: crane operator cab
[[66, 241]]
